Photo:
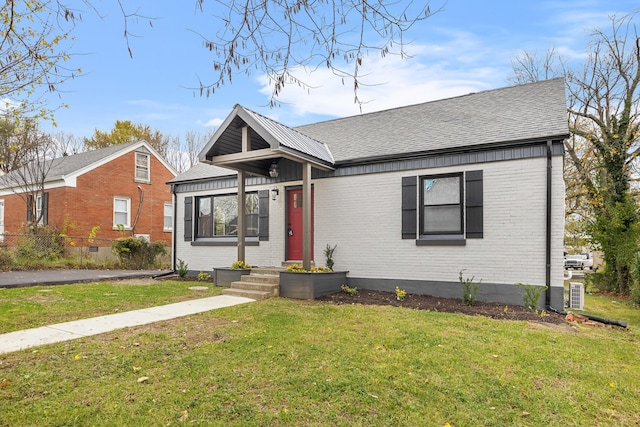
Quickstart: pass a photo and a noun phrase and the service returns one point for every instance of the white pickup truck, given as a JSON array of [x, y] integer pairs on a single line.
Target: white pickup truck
[[578, 261]]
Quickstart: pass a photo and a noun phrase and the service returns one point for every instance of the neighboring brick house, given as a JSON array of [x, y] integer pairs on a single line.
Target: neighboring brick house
[[122, 184], [411, 196]]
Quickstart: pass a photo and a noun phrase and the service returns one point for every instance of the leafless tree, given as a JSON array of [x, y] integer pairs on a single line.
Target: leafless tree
[[604, 120], [28, 180]]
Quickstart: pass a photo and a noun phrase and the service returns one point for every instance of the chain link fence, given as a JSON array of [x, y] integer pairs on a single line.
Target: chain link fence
[[44, 251]]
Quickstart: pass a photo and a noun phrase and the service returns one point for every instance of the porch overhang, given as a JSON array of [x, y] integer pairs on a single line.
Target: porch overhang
[[247, 141], [257, 162]]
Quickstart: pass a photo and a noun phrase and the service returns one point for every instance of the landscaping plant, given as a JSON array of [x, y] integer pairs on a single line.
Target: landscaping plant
[[328, 255], [531, 295], [469, 289]]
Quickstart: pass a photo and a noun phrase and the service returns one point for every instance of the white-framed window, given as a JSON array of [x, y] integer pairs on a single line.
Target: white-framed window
[[442, 205], [121, 212], [142, 167], [39, 205], [168, 216], [218, 215]]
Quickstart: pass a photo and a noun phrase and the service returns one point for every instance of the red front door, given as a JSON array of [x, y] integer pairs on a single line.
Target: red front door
[[294, 226]]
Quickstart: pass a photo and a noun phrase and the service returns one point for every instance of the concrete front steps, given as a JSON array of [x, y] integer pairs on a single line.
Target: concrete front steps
[[262, 283]]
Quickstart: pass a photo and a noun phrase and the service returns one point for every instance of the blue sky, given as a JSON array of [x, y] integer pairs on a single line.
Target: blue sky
[[466, 47]]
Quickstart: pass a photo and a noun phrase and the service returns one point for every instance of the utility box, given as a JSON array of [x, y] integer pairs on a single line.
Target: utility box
[[576, 295]]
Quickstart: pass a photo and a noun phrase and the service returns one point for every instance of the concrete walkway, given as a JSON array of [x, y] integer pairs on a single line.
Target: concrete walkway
[[19, 340]]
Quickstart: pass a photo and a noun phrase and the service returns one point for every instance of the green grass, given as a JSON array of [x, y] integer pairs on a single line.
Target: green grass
[[24, 308], [284, 362]]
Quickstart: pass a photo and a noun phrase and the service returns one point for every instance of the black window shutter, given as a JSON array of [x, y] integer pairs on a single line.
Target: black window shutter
[[474, 201], [409, 206], [29, 207], [188, 219], [263, 215], [45, 208]]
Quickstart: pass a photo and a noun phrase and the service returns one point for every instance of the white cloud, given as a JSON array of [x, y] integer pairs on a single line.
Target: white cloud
[[215, 122], [388, 82]]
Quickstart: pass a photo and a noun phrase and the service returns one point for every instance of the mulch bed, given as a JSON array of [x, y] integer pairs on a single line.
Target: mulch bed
[[447, 305]]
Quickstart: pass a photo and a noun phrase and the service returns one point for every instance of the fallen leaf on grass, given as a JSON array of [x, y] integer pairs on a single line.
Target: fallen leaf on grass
[[143, 379], [524, 414], [4, 383], [184, 416]]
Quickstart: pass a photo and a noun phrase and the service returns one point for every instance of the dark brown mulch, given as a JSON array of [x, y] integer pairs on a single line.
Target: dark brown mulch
[[448, 305]]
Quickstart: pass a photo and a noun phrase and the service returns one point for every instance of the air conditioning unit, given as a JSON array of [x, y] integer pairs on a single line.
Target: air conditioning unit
[[576, 295]]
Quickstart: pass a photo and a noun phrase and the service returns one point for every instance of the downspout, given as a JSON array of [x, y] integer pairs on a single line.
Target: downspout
[[175, 225], [173, 236], [135, 222], [548, 248]]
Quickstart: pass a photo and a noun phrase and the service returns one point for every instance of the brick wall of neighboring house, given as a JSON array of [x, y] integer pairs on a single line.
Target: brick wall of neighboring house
[[79, 209]]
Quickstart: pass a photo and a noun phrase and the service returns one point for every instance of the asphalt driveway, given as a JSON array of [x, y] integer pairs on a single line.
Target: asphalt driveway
[[20, 279]]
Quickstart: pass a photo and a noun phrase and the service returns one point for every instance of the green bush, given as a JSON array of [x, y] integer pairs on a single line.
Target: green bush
[[137, 254], [182, 268], [7, 261], [44, 243], [531, 295], [349, 290], [203, 276]]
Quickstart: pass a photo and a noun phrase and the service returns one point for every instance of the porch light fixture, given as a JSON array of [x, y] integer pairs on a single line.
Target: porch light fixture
[[274, 193], [274, 170]]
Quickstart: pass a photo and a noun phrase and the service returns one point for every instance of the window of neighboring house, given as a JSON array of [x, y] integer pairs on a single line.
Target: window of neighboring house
[[39, 205], [217, 216], [122, 212], [37, 208], [168, 216], [142, 167], [442, 205]]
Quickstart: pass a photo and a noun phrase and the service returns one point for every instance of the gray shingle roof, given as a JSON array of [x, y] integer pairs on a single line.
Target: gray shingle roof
[[203, 171], [536, 110], [67, 165], [519, 113]]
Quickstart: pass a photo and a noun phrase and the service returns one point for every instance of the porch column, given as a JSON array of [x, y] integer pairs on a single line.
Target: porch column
[[241, 209], [306, 216], [246, 146]]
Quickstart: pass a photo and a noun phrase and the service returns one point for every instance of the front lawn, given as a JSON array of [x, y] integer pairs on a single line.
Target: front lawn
[[24, 308], [285, 362]]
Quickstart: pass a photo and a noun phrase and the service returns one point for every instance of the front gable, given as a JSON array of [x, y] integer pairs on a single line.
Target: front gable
[[250, 142]]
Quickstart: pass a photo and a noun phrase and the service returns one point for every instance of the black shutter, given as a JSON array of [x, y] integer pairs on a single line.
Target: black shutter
[[474, 201], [409, 206], [263, 215], [188, 219], [29, 207], [45, 208]]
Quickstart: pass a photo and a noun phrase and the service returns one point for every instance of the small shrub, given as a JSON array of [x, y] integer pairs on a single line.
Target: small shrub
[[349, 290], [400, 294], [137, 254], [240, 265], [531, 295], [7, 261], [328, 255], [203, 276], [183, 268], [469, 289]]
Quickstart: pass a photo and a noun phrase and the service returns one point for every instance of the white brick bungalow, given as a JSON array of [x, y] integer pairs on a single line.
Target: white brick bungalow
[[411, 196]]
